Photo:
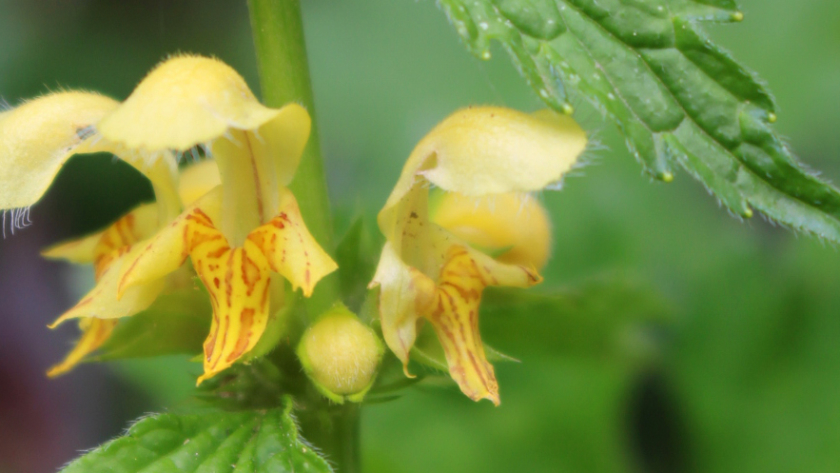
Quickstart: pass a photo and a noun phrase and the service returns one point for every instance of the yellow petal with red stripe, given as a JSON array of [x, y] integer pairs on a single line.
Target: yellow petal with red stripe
[[238, 282], [130, 228], [455, 316], [94, 333], [290, 248], [102, 301], [168, 249]]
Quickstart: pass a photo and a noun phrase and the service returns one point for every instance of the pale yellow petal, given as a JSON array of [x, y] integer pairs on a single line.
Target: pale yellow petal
[[79, 250], [39, 136], [197, 180], [514, 225], [405, 296], [493, 150], [285, 137], [94, 333], [163, 253], [250, 190], [290, 248], [185, 101]]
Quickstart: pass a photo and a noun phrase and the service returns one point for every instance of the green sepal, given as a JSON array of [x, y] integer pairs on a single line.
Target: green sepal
[[175, 323], [357, 254]]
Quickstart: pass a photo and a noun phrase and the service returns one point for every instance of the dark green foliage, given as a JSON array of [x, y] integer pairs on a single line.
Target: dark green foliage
[[678, 98]]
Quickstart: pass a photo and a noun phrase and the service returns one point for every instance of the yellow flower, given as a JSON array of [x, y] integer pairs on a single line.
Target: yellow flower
[[103, 249], [243, 230], [36, 140], [236, 234], [432, 266]]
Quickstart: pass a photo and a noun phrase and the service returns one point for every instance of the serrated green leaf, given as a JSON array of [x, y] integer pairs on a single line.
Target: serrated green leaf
[[678, 98], [176, 323], [208, 442]]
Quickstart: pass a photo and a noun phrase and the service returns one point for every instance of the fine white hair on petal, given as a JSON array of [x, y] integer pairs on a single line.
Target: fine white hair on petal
[[227, 134], [589, 157], [256, 133], [18, 220]]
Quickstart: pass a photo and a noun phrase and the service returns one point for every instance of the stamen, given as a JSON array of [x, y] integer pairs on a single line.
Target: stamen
[[85, 132]]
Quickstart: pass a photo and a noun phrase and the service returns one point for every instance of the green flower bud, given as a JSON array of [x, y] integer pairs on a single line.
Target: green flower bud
[[340, 355]]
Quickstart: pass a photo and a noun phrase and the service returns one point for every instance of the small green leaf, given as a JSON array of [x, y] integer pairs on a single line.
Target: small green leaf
[[208, 442], [176, 323], [259, 384], [607, 317], [357, 254], [678, 98]]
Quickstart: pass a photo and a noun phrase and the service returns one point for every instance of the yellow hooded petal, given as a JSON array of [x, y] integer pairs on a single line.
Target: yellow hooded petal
[[185, 101], [168, 249], [290, 248], [405, 296], [94, 333], [39, 136], [515, 225], [492, 150], [197, 180]]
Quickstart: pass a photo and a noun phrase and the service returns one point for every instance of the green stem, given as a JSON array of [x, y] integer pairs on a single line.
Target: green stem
[[335, 431], [284, 72], [281, 55]]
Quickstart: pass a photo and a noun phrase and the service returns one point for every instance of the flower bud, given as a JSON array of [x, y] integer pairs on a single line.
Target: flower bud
[[340, 355]]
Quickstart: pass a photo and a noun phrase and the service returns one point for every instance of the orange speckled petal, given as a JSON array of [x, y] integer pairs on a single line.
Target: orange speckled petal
[[169, 248], [238, 282], [290, 248], [94, 333], [455, 317]]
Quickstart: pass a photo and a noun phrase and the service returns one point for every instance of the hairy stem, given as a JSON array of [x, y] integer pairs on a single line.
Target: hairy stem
[[284, 73]]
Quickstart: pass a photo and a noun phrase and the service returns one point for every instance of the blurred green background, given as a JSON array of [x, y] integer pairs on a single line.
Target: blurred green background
[[686, 340]]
